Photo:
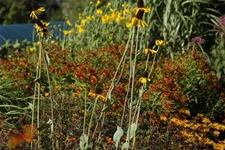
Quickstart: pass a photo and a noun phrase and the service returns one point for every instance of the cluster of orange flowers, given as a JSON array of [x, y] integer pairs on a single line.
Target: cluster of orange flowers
[[26, 136]]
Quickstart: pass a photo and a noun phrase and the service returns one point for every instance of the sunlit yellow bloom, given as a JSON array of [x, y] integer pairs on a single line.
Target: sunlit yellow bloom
[[216, 133], [146, 10], [98, 96], [67, 32], [136, 22], [90, 2], [109, 4], [163, 118], [206, 121], [80, 28], [43, 28], [37, 12], [52, 42], [69, 23], [144, 80], [151, 51], [99, 11], [47, 94], [105, 19], [75, 115], [38, 43], [31, 49], [98, 3], [126, 11], [83, 21], [185, 111], [160, 42], [119, 17]]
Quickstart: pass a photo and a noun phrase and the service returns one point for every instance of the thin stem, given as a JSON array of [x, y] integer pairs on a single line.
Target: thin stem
[[92, 114], [133, 67], [85, 110]]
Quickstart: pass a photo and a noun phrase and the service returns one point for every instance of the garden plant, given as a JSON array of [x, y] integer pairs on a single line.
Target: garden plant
[[139, 74]]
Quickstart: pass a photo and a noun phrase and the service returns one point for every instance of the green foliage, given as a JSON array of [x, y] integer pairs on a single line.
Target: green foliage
[[218, 55], [188, 82], [179, 21], [71, 8], [14, 11]]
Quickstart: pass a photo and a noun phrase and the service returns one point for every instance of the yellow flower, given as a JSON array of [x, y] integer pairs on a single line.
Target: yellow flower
[[42, 27], [83, 21], [109, 4], [136, 22], [216, 133], [105, 19], [185, 111], [31, 49], [163, 118], [80, 28], [152, 51], [160, 42], [47, 94], [38, 43], [99, 11], [75, 115], [98, 3], [69, 23], [67, 32], [98, 96], [52, 42], [146, 10], [144, 80], [37, 12], [206, 121], [126, 11]]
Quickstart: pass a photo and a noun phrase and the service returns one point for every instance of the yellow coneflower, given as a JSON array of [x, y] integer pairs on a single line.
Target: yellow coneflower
[[152, 51], [80, 28], [42, 27], [98, 96], [52, 42], [109, 4], [136, 22], [144, 80], [37, 12], [105, 19], [145, 10], [68, 22], [31, 49], [99, 11], [98, 3], [67, 32], [160, 42]]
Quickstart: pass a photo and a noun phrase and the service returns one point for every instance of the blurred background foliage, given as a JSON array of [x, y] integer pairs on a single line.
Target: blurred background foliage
[[13, 12]]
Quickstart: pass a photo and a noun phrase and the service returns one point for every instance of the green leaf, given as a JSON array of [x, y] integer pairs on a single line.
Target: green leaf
[[47, 58], [117, 135], [125, 145], [132, 130], [83, 141]]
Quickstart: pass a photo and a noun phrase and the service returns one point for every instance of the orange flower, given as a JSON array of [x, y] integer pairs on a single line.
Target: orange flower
[[20, 138], [15, 141]]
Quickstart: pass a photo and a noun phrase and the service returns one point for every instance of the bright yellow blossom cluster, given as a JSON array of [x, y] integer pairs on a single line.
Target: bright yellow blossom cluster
[[98, 96], [113, 16], [35, 13], [197, 133], [150, 51], [41, 26], [160, 42]]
